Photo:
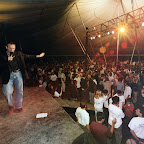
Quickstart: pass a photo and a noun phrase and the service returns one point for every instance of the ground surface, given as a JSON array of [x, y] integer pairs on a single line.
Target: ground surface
[[24, 128]]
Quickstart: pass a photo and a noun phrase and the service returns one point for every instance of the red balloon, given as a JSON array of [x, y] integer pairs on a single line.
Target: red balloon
[[111, 52], [124, 45], [132, 40]]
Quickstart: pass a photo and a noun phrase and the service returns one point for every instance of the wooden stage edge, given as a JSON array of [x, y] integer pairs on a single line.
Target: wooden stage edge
[[24, 128]]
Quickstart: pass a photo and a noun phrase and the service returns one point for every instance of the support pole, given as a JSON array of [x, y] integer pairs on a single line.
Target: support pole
[[118, 34], [87, 32], [117, 46]]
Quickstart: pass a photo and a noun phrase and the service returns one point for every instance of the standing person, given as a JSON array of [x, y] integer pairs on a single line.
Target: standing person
[[84, 87], [105, 108], [119, 85], [13, 72], [99, 131], [107, 85], [116, 112], [78, 81], [82, 116], [83, 119], [121, 99], [128, 110], [63, 80], [127, 91], [136, 126], [98, 102]]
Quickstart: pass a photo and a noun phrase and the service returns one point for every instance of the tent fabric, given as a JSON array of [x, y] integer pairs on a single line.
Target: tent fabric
[[42, 25]]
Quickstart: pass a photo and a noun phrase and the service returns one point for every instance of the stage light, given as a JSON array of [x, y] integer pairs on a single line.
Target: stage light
[[91, 38], [108, 33], [113, 32], [143, 24], [122, 29], [99, 35]]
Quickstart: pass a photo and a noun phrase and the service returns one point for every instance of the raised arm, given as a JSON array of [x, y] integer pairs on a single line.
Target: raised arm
[[40, 55]]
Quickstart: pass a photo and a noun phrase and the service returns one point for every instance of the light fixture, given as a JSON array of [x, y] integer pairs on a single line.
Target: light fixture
[[93, 37], [121, 29], [113, 32], [108, 33]]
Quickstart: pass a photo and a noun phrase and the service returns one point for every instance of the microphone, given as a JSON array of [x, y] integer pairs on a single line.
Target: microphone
[[11, 53]]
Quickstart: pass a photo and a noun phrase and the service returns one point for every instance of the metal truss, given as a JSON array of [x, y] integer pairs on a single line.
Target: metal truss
[[133, 18]]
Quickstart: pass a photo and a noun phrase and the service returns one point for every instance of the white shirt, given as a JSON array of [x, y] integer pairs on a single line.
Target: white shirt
[[127, 92], [78, 81], [106, 102], [53, 77], [95, 81], [115, 112], [98, 104], [56, 94], [82, 116], [137, 125]]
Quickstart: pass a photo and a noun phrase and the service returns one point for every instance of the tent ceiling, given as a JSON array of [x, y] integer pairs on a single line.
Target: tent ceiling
[[41, 25]]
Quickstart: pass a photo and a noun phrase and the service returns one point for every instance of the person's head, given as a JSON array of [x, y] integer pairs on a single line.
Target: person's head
[[119, 92], [10, 47], [98, 94], [105, 92], [129, 100], [126, 83], [115, 100], [83, 104], [142, 92], [100, 116], [120, 79], [140, 112]]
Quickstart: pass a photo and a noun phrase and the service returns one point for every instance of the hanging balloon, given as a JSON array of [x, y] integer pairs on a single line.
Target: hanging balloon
[[132, 40], [102, 49], [107, 44], [97, 54], [124, 45], [111, 52]]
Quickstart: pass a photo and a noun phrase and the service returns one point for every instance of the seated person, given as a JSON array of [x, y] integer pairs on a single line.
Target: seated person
[[56, 93]]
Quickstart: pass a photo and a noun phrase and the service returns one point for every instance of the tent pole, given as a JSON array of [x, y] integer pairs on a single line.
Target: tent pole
[[118, 34], [117, 46]]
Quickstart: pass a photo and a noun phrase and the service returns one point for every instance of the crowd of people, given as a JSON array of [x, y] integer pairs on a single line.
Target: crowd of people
[[115, 89]]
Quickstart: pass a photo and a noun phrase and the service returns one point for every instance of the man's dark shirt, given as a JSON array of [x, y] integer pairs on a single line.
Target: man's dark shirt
[[100, 132], [13, 64]]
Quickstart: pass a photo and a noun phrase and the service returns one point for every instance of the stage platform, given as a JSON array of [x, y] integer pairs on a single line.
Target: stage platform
[[23, 128]]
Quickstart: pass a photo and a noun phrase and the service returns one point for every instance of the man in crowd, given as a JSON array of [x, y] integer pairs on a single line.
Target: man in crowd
[[136, 126], [83, 119], [99, 131], [13, 71], [82, 116], [116, 112]]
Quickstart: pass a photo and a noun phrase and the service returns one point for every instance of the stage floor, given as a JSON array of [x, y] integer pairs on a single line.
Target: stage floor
[[24, 128]]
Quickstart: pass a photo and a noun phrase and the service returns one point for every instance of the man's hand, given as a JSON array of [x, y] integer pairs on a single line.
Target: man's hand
[[114, 121], [140, 142], [41, 55], [10, 58]]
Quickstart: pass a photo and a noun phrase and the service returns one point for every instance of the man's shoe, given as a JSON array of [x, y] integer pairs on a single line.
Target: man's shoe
[[11, 109], [18, 110]]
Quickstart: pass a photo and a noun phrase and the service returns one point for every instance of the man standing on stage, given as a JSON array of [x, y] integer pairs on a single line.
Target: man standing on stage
[[13, 72]]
